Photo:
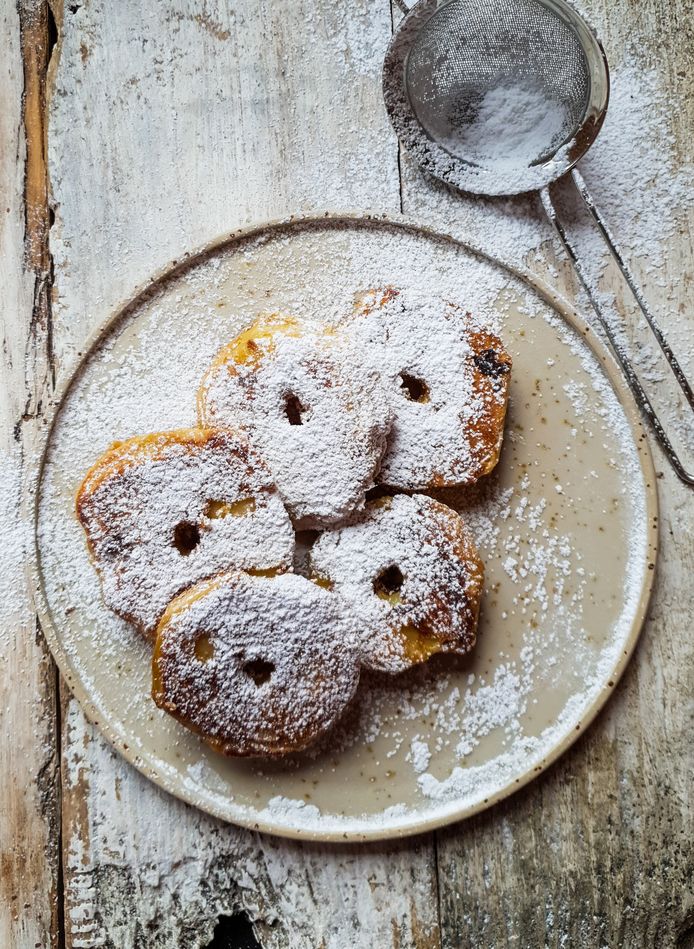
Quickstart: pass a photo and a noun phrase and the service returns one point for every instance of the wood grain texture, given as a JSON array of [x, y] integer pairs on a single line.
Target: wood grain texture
[[600, 850], [194, 120], [145, 870], [29, 824], [169, 124]]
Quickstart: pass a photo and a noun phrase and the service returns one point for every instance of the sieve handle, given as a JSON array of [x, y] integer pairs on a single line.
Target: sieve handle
[[633, 286], [622, 358], [402, 6]]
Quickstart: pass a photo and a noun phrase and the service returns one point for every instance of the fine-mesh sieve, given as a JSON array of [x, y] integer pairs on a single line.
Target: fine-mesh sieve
[[499, 97]]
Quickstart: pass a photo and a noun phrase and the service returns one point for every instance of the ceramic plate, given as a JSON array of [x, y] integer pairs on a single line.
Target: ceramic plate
[[566, 526]]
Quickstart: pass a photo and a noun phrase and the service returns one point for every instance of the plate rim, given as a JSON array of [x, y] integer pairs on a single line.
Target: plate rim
[[448, 813]]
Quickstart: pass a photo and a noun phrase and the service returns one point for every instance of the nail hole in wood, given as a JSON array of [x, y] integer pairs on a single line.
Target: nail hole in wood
[[234, 932]]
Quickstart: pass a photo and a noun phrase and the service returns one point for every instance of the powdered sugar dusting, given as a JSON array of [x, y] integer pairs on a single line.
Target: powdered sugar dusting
[[635, 155], [410, 570], [164, 511], [278, 666], [514, 126], [558, 606], [316, 412], [447, 425]]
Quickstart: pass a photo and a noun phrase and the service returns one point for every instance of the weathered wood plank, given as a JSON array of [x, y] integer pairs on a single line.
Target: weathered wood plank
[[29, 824], [143, 869], [598, 852], [189, 124], [170, 127], [170, 124]]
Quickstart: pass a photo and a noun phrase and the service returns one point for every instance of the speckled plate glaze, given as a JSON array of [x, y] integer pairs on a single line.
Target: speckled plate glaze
[[567, 526]]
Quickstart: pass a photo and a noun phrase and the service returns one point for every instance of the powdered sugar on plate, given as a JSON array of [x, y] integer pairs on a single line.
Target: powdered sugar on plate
[[565, 570]]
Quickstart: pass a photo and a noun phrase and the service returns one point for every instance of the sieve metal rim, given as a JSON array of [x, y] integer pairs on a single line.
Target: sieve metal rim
[[437, 161]]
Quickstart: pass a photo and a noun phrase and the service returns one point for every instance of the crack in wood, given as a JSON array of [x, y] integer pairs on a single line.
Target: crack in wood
[[38, 38], [37, 702], [60, 879]]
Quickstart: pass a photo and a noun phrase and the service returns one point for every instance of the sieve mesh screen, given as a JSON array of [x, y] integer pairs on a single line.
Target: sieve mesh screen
[[498, 84]]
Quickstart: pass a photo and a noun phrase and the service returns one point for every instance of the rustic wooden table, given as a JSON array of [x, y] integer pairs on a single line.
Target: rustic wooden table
[[131, 132]]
